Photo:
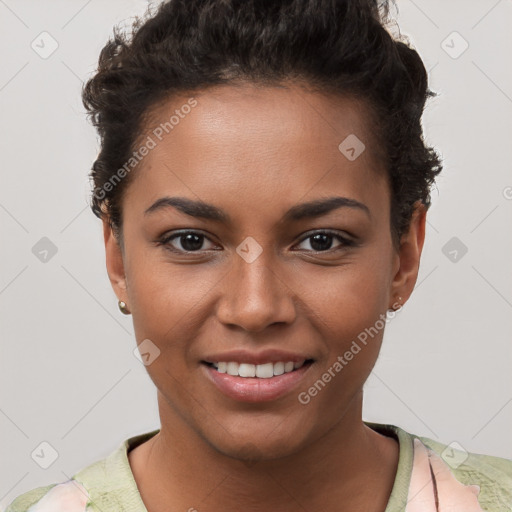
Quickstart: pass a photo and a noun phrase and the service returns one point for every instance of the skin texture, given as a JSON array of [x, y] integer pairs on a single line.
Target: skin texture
[[255, 152]]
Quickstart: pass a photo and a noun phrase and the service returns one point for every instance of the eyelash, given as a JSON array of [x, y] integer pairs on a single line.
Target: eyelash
[[345, 241]]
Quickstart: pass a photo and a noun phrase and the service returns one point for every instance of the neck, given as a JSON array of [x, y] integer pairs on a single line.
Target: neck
[[177, 467]]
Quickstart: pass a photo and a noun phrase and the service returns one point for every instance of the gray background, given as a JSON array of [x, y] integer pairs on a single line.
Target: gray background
[[67, 369]]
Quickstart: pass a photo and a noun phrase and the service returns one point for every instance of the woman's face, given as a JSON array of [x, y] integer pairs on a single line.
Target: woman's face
[[253, 284]]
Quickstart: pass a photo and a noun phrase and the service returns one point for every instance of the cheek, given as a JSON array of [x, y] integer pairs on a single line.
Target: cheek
[[354, 309], [352, 304], [167, 303], [161, 292], [353, 296]]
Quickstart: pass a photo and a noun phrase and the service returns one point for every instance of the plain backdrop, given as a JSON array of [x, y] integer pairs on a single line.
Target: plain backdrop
[[68, 375]]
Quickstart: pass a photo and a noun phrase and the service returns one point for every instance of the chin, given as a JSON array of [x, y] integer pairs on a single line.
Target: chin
[[257, 441], [253, 451]]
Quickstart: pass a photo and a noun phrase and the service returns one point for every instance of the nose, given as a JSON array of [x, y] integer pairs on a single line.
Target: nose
[[256, 295]]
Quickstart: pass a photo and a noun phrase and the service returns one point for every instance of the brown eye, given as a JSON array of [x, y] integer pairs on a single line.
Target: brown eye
[[322, 241], [185, 241]]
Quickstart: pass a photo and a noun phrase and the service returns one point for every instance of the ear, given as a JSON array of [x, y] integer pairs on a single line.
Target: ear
[[114, 261], [409, 254]]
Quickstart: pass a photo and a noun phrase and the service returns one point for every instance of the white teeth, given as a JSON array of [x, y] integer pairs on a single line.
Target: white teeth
[[247, 370], [262, 371], [232, 369], [278, 368], [265, 371]]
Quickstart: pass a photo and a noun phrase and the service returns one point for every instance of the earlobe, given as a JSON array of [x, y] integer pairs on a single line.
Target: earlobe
[[114, 262], [409, 254]]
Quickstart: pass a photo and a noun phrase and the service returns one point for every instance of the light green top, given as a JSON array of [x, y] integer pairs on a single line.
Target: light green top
[[431, 477]]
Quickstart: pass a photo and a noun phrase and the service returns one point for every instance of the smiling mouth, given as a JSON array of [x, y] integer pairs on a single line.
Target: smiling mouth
[[262, 371]]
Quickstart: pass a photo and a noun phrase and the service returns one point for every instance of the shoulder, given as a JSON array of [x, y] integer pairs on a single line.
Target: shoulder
[[463, 461], [488, 477], [70, 496], [433, 475], [105, 485], [26, 500]]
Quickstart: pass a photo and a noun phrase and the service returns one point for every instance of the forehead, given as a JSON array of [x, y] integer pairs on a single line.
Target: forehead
[[249, 112], [274, 144]]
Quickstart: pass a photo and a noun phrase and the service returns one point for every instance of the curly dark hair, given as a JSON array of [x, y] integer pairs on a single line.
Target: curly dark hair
[[340, 47]]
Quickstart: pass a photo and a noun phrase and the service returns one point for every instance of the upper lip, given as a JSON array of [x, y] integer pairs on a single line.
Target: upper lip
[[265, 356]]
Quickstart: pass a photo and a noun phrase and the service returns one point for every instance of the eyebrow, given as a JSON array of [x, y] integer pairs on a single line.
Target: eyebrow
[[312, 209]]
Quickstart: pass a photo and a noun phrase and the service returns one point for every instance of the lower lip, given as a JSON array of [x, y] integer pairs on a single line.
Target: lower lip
[[253, 389]]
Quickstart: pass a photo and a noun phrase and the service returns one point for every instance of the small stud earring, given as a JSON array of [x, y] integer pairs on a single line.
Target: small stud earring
[[397, 305], [123, 307]]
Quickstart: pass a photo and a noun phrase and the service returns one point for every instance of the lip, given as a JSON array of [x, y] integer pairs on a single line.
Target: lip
[[265, 356], [253, 389]]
